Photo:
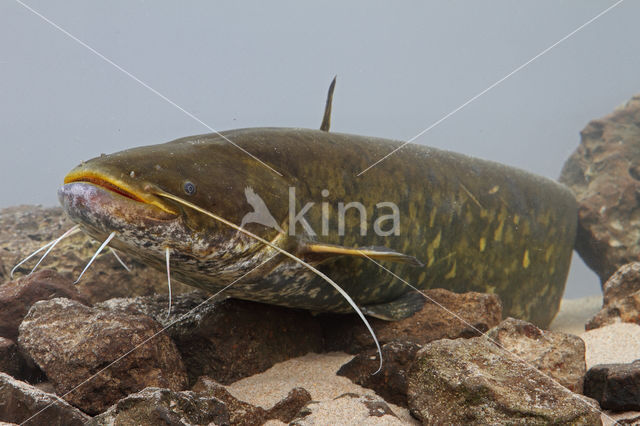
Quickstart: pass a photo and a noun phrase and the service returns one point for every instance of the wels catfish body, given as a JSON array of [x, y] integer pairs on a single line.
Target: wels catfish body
[[433, 218]]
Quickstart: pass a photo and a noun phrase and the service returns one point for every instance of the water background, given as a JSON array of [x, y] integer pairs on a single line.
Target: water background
[[400, 66]]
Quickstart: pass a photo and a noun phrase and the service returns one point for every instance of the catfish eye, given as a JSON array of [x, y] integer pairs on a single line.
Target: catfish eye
[[189, 188]]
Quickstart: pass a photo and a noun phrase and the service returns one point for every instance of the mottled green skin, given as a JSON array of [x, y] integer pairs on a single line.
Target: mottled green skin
[[476, 225]]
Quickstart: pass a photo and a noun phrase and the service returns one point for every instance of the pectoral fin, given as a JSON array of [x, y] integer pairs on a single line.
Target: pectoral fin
[[401, 308], [378, 253]]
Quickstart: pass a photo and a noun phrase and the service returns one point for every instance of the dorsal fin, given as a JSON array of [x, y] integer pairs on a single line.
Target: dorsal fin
[[326, 120]]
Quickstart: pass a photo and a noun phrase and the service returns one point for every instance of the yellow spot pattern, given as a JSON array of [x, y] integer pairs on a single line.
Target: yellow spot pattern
[[431, 248], [525, 259], [452, 272], [436, 241], [412, 212], [483, 244], [547, 254], [497, 235]]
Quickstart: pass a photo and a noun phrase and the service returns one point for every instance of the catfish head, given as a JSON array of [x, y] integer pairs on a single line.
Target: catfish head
[[165, 197]]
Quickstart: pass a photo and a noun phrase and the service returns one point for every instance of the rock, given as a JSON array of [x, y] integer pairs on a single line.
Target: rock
[[155, 406], [626, 309], [482, 311], [610, 418], [77, 347], [46, 387], [615, 386], [20, 401], [13, 363], [359, 409], [16, 297], [621, 302], [623, 283], [473, 381], [604, 173], [287, 409], [391, 382], [10, 361], [243, 413], [240, 412], [559, 355], [231, 339], [24, 229]]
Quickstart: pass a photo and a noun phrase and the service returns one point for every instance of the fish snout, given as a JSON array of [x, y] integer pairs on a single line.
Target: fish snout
[[85, 201]]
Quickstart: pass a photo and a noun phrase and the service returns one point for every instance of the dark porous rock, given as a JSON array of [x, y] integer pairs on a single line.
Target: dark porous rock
[[625, 282], [10, 360], [287, 409], [24, 229], [231, 339], [13, 362], [240, 412], [16, 297], [360, 409], [156, 406], [615, 386], [71, 342], [467, 381], [46, 387], [621, 302], [604, 173], [479, 311], [621, 418], [243, 413], [20, 401], [391, 382], [194, 303], [559, 355]]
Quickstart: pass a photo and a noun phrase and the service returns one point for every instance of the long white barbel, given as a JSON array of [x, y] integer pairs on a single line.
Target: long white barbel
[[167, 252], [51, 245], [124, 265], [343, 293], [111, 235]]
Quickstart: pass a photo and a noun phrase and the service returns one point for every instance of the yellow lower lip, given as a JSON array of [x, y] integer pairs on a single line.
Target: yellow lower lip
[[117, 186]]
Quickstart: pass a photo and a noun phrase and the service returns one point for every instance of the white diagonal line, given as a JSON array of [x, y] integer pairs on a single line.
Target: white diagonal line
[[492, 86], [93, 376], [142, 83], [481, 334]]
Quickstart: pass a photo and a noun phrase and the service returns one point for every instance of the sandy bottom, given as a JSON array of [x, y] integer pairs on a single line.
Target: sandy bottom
[[316, 372], [616, 343], [574, 314]]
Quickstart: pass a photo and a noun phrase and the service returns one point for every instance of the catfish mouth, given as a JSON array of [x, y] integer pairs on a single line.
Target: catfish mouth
[[115, 187], [106, 185]]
